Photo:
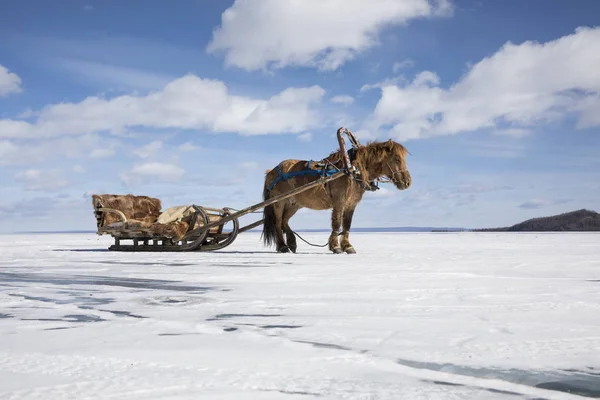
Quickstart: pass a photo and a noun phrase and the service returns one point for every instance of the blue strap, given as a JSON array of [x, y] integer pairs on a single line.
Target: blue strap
[[284, 176]]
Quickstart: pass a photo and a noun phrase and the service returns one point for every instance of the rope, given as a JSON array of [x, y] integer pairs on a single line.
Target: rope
[[312, 244], [309, 243]]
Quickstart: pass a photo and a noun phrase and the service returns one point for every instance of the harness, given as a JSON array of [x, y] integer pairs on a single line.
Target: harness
[[284, 176]]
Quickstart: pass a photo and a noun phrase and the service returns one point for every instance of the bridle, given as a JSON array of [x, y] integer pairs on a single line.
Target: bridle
[[393, 177], [372, 185]]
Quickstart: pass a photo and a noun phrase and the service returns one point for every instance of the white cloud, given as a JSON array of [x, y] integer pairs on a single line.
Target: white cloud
[[10, 128], [42, 180], [305, 137], [364, 135], [535, 204], [345, 100], [8, 152], [148, 150], [152, 172], [9, 82], [102, 153], [257, 34], [398, 65], [516, 132], [31, 151], [186, 103], [28, 113], [381, 193], [589, 111], [489, 149], [188, 146], [44, 212], [426, 78], [103, 75], [398, 80], [519, 86]]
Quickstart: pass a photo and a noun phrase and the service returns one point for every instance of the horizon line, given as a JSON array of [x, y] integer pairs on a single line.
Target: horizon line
[[308, 230]]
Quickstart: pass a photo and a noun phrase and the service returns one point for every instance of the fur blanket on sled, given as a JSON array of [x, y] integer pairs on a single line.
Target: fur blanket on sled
[[143, 214]]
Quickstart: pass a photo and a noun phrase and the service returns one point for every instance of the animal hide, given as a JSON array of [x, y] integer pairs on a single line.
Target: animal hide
[[143, 215], [140, 208], [175, 230], [176, 214]]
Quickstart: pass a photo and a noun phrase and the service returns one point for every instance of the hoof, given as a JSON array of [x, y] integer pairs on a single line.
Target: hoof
[[283, 249], [337, 250], [350, 250], [293, 249]]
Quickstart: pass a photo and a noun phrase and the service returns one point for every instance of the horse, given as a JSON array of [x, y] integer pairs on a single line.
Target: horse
[[374, 161]]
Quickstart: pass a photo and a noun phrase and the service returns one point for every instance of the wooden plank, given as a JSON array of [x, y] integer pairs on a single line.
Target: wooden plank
[[251, 226]]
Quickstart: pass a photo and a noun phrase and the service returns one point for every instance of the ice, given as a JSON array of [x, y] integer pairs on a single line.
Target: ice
[[411, 316]]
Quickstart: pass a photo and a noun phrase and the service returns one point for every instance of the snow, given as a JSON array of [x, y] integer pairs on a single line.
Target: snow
[[411, 316]]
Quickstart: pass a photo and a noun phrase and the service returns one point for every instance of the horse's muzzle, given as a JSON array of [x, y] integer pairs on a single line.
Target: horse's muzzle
[[403, 180]]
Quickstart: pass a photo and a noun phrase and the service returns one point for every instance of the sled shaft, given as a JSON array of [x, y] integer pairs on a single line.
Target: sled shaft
[[273, 200]]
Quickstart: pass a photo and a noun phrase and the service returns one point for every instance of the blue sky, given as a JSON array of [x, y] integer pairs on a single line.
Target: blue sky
[[191, 101]]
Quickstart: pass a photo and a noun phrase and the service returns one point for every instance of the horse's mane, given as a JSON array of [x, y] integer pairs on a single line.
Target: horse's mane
[[373, 153]]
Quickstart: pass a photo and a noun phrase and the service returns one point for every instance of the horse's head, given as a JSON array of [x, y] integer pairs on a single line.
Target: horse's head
[[395, 165], [386, 159]]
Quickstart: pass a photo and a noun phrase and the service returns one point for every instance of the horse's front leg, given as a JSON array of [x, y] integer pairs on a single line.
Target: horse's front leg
[[336, 223], [346, 224]]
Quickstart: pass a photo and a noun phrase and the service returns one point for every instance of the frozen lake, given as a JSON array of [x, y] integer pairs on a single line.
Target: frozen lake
[[412, 316]]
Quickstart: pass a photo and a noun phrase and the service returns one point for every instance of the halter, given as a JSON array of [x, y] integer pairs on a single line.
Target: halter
[[392, 179]]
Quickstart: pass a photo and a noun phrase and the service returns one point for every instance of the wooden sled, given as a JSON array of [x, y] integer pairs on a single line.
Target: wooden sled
[[135, 224]]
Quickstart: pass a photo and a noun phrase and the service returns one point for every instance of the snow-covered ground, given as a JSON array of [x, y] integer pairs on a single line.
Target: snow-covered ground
[[412, 316]]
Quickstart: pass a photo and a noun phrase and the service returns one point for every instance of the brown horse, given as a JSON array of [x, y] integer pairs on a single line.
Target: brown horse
[[374, 160]]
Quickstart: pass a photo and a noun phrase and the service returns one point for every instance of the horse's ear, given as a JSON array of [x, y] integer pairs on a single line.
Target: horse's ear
[[390, 144]]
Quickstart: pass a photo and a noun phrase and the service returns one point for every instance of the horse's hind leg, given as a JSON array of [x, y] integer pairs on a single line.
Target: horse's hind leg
[[290, 238], [278, 208], [346, 223], [336, 222]]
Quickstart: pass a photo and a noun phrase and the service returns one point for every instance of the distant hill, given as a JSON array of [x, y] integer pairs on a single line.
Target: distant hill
[[575, 221]]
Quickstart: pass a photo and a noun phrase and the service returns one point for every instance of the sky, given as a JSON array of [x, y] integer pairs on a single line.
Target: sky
[[192, 101]]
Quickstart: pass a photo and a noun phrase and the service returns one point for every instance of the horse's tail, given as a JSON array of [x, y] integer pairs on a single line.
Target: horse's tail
[[268, 233]]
